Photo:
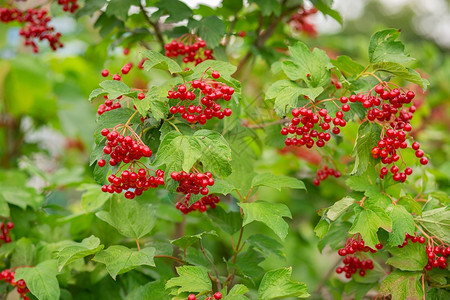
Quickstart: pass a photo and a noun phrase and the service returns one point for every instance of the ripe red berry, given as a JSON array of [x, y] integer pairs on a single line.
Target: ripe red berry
[[192, 297], [218, 295], [105, 73], [215, 74], [141, 96]]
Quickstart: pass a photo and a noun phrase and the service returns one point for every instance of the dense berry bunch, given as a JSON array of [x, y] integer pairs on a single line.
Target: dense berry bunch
[[208, 93], [200, 205], [109, 105], [8, 276], [323, 174], [299, 21], [216, 296], [353, 263], [309, 127], [123, 148], [133, 181], [387, 108], [69, 5], [191, 47], [5, 227], [35, 26], [437, 256]]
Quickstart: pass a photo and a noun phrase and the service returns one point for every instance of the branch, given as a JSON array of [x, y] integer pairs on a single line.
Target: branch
[[219, 287], [171, 257], [155, 26]]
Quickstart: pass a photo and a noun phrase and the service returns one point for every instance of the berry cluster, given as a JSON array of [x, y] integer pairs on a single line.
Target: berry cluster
[[387, 108], [8, 276], [69, 5], [323, 174], [207, 107], [216, 296], [5, 228], [304, 121], [134, 183], [299, 20], [414, 239], [35, 26], [190, 47], [437, 257], [352, 263], [123, 148], [194, 183], [109, 105]]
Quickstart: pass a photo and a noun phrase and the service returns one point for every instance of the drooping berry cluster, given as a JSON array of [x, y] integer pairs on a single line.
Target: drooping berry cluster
[[308, 127], [35, 26], [216, 296], [109, 105], [387, 107], [323, 174], [300, 21], [208, 92], [353, 263], [413, 238], [133, 181], [69, 5], [191, 47], [5, 228], [123, 148], [437, 256], [194, 183], [8, 276]]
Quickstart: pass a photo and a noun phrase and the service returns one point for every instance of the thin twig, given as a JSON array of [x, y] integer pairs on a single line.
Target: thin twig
[[155, 26], [219, 286], [171, 257]]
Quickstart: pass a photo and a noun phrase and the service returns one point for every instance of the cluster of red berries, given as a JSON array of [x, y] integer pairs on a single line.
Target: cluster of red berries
[[337, 84], [437, 257], [299, 20], [123, 148], [8, 276], [134, 183], [5, 228], [125, 70], [216, 296], [200, 205], [323, 174], [414, 239], [35, 26], [109, 105], [190, 47], [194, 183], [303, 123], [69, 5], [207, 107], [387, 108], [353, 263]]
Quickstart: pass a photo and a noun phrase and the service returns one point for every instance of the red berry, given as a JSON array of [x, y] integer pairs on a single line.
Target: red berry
[[218, 295], [141, 96], [215, 74], [105, 73]]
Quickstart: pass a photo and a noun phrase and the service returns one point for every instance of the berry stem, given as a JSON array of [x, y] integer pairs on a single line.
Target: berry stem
[[219, 286], [171, 257], [138, 246], [174, 126]]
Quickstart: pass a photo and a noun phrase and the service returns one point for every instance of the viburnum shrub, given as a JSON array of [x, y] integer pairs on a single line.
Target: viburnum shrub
[[220, 157]]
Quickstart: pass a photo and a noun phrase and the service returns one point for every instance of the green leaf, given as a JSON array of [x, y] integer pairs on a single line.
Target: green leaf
[[337, 232], [367, 222], [321, 228], [325, 8], [221, 187], [270, 214], [315, 63], [4, 208], [339, 207], [22, 197], [277, 181], [109, 120], [93, 198], [403, 72], [96, 93], [268, 7], [153, 102], [230, 222], [190, 279], [237, 293], [120, 8], [402, 285], [24, 253], [278, 283], [412, 257], [384, 47], [211, 30], [402, 222], [130, 218], [120, 259], [247, 264], [68, 254], [152, 290], [177, 10], [367, 138], [115, 88], [437, 222], [266, 245], [41, 280], [363, 182], [185, 241], [347, 66], [158, 61]]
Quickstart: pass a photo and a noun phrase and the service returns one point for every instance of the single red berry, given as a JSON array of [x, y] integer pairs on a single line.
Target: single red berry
[[101, 162], [105, 73], [215, 74], [424, 161], [218, 296], [141, 96], [192, 297]]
